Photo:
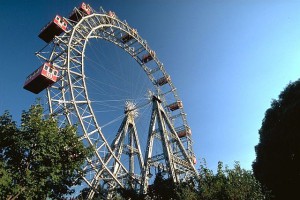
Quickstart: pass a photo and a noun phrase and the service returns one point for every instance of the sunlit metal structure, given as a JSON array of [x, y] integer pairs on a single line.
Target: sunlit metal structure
[[68, 100]]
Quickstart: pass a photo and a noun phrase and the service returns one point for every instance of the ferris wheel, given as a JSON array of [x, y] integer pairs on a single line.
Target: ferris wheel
[[104, 78]]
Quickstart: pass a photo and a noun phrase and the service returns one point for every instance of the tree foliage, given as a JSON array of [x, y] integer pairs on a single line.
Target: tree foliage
[[162, 188], [277, 164], [226, 184], [38, 159]]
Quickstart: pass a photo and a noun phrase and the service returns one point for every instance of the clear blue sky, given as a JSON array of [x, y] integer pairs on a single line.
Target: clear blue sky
[[227, 60]]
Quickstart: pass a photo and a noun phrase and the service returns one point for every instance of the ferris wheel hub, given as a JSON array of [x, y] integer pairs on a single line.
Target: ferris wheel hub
[[131, 109]]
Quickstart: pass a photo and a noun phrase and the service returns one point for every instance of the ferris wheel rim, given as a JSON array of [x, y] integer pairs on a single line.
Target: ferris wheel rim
[[159, 67], [146, 47]]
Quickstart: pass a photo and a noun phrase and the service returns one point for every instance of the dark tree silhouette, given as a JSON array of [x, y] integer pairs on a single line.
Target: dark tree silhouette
[[277, 164], [162, 188]]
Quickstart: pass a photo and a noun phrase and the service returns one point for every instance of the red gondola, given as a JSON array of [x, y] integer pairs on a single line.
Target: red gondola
[[126, 38], [183, 131], [53, 28], [175, 106], [83, 10], [163, 80], [41, 78], [194, 160], [112, 15], [146, 58]]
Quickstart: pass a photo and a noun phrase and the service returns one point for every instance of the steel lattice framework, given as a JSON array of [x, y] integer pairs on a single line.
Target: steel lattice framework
[[69, 101]]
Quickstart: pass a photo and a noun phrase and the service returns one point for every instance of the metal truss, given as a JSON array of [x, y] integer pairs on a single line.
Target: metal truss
[[173, 158], [126, 143]]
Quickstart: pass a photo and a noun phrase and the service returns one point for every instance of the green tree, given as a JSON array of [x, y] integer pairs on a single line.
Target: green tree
[[162, 188], [38, 159], [187, 190], [100, 194], [277, 164], [128, 193], [228, 184]]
